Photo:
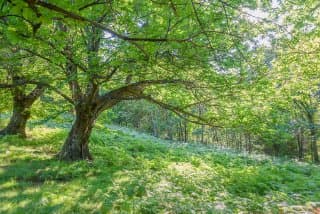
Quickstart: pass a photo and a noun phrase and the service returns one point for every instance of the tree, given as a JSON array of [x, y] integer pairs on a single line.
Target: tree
[[22, 96], [170, 54], [309, 110]]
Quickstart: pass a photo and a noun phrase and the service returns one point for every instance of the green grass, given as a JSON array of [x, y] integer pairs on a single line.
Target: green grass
[[131, 174]]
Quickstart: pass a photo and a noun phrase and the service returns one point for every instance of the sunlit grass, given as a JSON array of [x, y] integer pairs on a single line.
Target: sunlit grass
[[133, 174]]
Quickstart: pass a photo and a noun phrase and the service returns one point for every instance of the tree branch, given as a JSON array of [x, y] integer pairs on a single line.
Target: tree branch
[[25, 82], [35, 93], [101, 26], [42, 57], [180, 112]]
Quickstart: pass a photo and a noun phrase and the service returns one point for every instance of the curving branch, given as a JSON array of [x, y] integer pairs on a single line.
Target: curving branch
[[40, 84], [181, 112], [75, 16], [133, 91]]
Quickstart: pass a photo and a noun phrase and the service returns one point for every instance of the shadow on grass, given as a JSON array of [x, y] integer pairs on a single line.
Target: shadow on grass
[[32, 181], [46, 186]]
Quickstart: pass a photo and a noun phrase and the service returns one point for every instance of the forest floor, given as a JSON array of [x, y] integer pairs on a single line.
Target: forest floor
[[138, 174]]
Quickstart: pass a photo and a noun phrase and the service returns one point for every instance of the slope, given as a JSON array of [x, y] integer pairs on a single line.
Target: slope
[[140, 174]]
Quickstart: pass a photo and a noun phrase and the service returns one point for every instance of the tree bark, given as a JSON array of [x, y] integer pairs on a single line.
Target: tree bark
[[300, 141], [21, 110], [18, 120], [315, 155], [249, 144], [185, 132], [76, 145]]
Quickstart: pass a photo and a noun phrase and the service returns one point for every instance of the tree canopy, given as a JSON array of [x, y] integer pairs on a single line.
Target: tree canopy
[[246, 66]]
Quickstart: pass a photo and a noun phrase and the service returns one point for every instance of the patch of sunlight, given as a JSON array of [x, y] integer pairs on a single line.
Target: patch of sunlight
[[27, 150], [2, 169], [44, 131], [183, 168], [71, 194], [121, 176], [23, 203], [204, 166], [41, 135], [90, 205], [219, 205], [98, 193], [163, 186], [5, 207], [9, 184], [31, 190], [55, 199], [201, 172], [307, 208], [9, 194]]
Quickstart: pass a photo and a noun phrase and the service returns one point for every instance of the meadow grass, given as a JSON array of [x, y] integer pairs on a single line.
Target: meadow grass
[[133, 174]]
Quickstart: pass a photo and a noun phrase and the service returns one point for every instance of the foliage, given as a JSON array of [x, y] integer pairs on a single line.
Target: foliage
[[135, 174], [214, 83]]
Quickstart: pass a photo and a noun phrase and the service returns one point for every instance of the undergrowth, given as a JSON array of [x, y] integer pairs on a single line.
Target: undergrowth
[[131, 174]]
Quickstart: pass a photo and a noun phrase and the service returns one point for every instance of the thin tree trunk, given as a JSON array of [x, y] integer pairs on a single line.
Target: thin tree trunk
[[240, 141], [300, 143], [315, 154], [169, 134], [202, 133], [313, 135], [226, 138], [250, 144], [154, 126], [185, 132], [180, 132]]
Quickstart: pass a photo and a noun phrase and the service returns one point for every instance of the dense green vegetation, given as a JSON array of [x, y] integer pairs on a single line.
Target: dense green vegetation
[[140, 174], [219, 102]]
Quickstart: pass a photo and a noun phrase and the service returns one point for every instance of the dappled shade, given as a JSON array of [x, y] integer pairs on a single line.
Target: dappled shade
[[133, 173]]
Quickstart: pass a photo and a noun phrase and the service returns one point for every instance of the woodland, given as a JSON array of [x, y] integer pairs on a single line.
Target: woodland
[[159, 106]]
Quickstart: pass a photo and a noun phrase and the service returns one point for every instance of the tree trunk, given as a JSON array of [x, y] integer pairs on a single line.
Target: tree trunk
[[315, 154], [202, 133], [76, 145], [185, 132], [180, 132], [18, 120], [300, 141], [249, 144], [154, 126], [21, 108]]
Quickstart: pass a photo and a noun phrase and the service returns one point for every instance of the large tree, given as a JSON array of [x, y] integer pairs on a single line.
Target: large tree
[[174, 54]]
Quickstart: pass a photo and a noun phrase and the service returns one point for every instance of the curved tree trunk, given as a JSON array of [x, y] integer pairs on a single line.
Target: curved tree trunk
[[21, 110], [18, 120], [76, 145]]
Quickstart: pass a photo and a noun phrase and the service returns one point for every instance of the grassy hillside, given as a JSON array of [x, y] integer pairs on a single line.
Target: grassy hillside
[[133, 174]]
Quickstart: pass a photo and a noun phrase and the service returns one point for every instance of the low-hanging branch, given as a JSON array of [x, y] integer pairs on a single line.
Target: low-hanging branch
[[39, 83], [181, 112], [135, 90]]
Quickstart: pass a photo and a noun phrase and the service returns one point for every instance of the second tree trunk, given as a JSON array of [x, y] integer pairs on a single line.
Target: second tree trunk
[[18, 120]]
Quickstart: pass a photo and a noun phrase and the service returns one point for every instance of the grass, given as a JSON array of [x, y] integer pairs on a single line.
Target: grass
[[133, 174]]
